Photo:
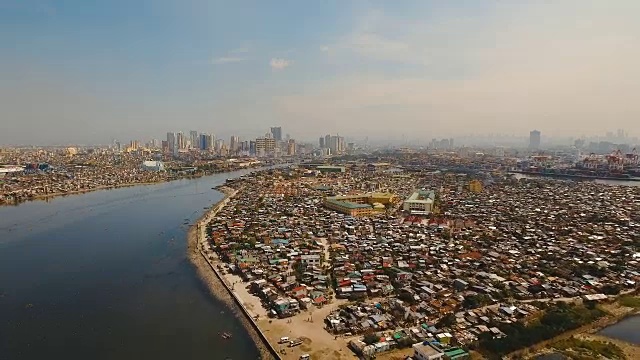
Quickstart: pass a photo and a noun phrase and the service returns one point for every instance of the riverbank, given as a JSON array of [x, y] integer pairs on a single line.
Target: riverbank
[[615, 313], [38, 192], [205, 262], [265, 332], [77, 192]]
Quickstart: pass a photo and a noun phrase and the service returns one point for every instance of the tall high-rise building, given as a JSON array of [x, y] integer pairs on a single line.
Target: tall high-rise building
[[219, 144], [195, 139], [321, 142], [327, 141], [206, 142], [244, 146], [534, 140], [291, 147], [252, 147], [336, 144], [234, 143], [276, 133], [181, 141], [172, 147], [265, 145]]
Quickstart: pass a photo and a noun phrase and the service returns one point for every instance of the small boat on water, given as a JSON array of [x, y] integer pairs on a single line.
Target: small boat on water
[[226, 335]]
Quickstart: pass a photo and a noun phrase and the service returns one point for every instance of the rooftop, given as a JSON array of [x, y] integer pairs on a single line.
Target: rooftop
[[426, 349]]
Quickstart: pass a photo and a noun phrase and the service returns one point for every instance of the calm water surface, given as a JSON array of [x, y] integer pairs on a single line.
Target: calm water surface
[[597, 181], [104, 275], [627, 330]]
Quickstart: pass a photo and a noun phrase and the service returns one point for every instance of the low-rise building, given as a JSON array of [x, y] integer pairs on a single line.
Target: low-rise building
[[419, 203], [426, 351]]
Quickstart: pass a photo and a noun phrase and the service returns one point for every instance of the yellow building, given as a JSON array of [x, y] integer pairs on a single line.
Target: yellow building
[[360, 205], [475, 186]]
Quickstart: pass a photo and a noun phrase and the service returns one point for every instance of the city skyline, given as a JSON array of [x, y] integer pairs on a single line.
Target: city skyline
[[88, 73]]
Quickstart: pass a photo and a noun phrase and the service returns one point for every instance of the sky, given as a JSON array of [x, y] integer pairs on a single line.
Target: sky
[[81, 72]]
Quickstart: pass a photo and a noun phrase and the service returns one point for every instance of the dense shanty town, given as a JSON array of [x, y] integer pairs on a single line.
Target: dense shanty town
[[48, 172], [433, 260]]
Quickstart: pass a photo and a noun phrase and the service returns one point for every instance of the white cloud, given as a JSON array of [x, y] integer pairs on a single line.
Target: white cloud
[[560, 67], [324, 48], [279, 64], [228, 60]]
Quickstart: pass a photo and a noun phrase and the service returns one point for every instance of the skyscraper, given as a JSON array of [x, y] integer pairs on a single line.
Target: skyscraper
[[534, 140], [205, 141], [321, 142], [233, 144], [291, 147], [219, 144], [181, 141], [195, 139], [276, 133], [265, 145], [171, 143], [336, 144]]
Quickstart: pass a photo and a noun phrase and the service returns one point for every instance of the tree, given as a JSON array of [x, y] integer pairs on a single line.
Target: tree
[[446, 321], [371, 338]]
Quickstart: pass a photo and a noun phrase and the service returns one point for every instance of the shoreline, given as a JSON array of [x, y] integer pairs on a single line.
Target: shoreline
[[216, 283], [83, 191], [112, 187], [616, 314]]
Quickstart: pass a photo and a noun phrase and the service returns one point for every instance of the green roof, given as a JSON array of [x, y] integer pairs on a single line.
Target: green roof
[[453, 357], [455, 353], [349, 204]]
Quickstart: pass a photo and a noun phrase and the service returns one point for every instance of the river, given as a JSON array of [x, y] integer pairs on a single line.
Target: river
[[104, 275], [597, 181], [627, 330]]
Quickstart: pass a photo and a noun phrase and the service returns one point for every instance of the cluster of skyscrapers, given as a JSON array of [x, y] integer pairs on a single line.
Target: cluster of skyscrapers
[[271, 144], [332, 144]]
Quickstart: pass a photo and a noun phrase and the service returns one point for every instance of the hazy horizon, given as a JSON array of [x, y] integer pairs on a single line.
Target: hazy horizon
[[85, 72]]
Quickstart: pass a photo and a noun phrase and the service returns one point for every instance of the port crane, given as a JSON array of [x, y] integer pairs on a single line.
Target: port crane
[[632, 157], [591, 162], [616, 161]]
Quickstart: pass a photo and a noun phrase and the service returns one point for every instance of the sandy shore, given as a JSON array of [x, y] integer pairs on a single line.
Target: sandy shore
[[206, 261], [308, 325]]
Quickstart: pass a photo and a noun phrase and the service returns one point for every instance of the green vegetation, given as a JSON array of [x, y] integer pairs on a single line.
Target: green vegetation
[[557, 319], [588, 349], [630, 301], [371, 338], [475, 301]]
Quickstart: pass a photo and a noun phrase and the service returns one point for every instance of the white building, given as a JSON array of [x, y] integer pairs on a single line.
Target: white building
[[153, 165], [426, 351], [311, 259], [419, 203]]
